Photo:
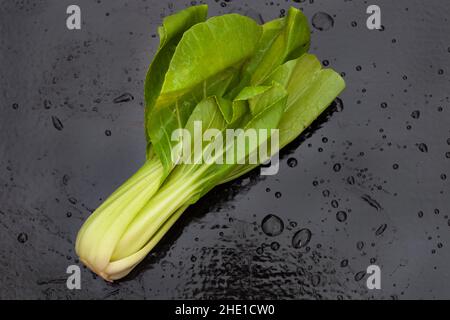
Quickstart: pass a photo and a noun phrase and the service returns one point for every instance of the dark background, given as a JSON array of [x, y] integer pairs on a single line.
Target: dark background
[[383, 159]]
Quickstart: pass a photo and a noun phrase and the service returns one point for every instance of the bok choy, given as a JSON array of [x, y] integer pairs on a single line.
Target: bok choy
[[227, 73]]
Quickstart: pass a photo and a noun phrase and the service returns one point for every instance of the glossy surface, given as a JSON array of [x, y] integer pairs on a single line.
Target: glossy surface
[[367, 185]]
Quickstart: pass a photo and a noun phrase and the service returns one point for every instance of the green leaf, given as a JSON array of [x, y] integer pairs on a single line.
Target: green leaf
[[205, 62], [282, 40], [311, 90], [170, 34]]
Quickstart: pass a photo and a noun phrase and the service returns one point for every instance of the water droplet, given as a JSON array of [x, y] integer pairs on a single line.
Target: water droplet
[[123, 98], [69, 214], [315, 280], [22, 237], [415, 114], [371, 201], [384, 105], [15, 106], [422, 147], [65, 179], [57, 123], [72, 200], [395, 166], [275, 246], [322, 21], [47, 104], [326, 193], [292, 162], [420, 214], [337, 167], [337, 105], [277, 195], [381, 229], [354, 24], [334, 204], [440, 72], [351, 180], [341, 216], [358, 68], [272, 225], [360, 245], [360, 275], [108, 133], [193, 258], [301, 238]]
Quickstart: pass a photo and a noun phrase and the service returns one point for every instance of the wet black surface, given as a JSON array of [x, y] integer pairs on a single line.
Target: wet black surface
[[367, 186]]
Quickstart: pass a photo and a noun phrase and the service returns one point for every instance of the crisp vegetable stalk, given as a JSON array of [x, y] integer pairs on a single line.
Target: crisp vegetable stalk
[[226, 72]]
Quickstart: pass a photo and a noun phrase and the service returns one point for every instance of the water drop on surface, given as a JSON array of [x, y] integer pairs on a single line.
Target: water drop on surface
[[341, 216], [108, 133], [338, 105], [301, 238], [344, 263], [123, 98], [351, 180], [422, 147], [415, 114], [360, 275], [47, 104], [22, 237], [381, 229], [292, 162], [65, 179], [277, 195], [57, 123], [337, 167], [275, 246], [334, 204], [322, 21], [272, 225], [15, 106], [359, 245], [315, 280]]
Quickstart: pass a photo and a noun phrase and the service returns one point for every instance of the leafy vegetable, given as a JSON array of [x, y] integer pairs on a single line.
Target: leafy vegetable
[[226, 72]]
